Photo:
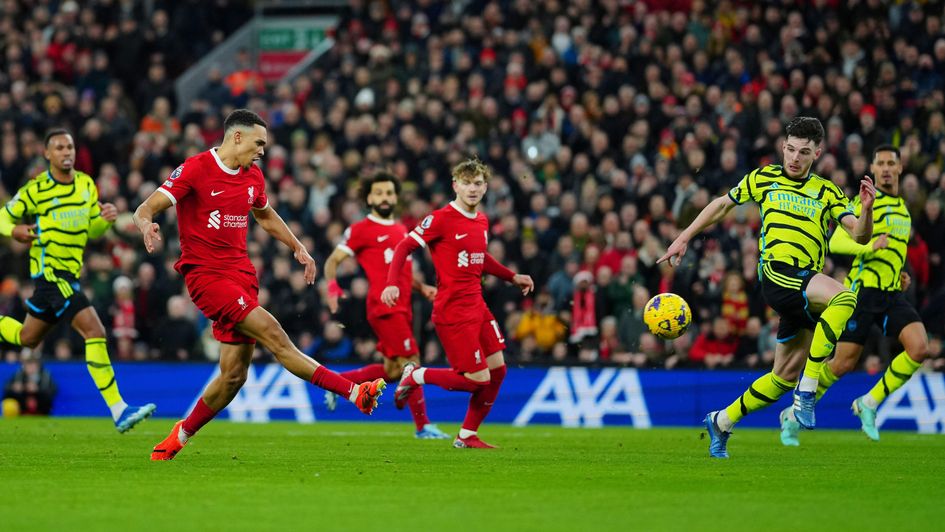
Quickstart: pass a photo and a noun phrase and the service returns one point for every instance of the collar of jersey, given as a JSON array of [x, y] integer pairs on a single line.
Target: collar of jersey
[[49, 175], [381, 221], [222, 166], [471, 216], [795, 182]]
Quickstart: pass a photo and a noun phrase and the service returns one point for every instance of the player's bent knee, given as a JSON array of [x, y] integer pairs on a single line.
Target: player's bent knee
[[842, 366], [30, 340], [479, 378], [920, 352]]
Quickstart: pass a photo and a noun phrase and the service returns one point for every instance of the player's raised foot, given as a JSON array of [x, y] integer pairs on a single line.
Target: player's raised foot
[[867, 417], [132, 416], [718, 439], [431, 432], [368, 393], [168, 449], [331, 401], [804, 408], [789, 429], [472, 442], [405, 387]]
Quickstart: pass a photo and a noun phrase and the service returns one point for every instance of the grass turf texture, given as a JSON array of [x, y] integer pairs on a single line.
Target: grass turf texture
[[79, 474]]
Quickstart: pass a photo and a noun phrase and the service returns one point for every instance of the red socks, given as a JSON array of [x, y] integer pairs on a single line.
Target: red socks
[[482, 399], [331, 381], [416, 403], [366, 374], [418, 408], [199, 416], [449, 380]]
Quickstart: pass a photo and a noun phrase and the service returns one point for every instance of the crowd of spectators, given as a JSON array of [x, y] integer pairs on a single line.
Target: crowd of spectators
[[608, 125]]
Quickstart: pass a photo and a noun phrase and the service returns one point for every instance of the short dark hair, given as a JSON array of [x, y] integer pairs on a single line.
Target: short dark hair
[[380, 177], [243, 117], [806, 127], [887, 147], [55, 132]]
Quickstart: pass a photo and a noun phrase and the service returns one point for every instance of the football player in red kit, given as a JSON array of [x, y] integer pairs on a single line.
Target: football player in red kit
[[457, 236], [372, 241], [214, 192]]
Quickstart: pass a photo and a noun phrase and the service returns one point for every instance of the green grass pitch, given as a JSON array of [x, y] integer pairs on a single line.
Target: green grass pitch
[[79, 474]]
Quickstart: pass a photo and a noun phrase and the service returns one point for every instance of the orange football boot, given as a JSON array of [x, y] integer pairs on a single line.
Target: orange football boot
[[168, 449]]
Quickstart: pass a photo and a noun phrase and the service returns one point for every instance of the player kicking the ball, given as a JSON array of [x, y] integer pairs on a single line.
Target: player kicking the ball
[[457, 236], [215, 192], [372, 241]]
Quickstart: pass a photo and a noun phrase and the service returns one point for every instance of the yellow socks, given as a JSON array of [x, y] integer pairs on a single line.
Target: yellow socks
[[831, 323], [899, 371]]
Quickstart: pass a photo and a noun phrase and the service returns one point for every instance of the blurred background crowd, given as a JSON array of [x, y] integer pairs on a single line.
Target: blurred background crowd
[[608, 124]]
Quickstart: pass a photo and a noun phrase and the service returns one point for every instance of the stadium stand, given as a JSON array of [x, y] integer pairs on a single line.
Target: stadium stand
[[608, 124]]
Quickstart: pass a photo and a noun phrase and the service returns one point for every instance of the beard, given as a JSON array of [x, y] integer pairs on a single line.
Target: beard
[[384, 210]]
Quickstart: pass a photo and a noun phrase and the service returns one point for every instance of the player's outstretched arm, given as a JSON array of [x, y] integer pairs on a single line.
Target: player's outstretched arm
[[713, 213], [391, 292], [270, 220], [331, 275], [861, 228], [144, 215]]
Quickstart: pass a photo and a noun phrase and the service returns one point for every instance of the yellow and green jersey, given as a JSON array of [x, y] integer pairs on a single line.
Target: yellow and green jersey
[[66, 216], [795, 215], [879, 268]]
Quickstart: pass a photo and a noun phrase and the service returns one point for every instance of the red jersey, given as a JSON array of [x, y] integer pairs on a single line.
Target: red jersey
[[213, 204], [457, 241], [372, 241]]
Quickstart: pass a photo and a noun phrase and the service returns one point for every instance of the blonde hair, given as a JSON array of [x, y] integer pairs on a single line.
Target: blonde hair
[[469, 169]]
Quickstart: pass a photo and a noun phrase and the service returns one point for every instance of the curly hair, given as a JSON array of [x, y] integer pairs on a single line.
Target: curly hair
[[806, 127], [379, 177]]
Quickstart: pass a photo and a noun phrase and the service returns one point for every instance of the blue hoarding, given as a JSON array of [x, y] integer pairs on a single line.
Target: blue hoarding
[[568, 396]]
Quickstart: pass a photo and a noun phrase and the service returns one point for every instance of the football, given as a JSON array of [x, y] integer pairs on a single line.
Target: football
[[667, 316]]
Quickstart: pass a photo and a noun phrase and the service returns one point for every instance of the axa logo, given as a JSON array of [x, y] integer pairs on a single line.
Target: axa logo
[[464, 258], [570, 394], [272, 389], [214, 219], [920, 401]]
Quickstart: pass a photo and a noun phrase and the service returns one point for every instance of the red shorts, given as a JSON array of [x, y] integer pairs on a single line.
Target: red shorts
[[394, 335], [467, 344], [226, 297]]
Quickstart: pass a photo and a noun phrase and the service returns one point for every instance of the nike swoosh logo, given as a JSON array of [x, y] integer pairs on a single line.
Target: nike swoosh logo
[[383, 238], [215, 193], [460, 237]]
